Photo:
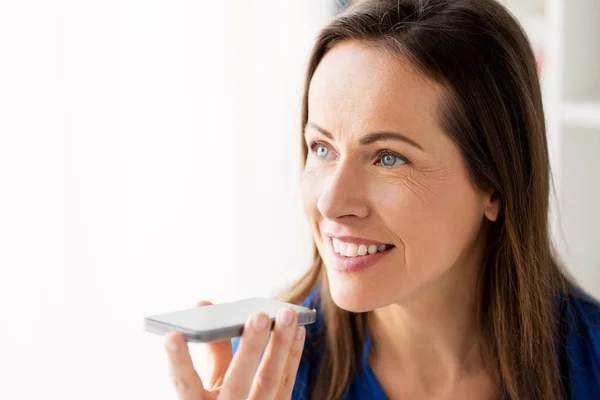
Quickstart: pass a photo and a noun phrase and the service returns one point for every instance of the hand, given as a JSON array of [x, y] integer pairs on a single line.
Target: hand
[[237, 378]]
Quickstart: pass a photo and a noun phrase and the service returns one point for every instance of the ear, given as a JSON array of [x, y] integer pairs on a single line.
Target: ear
[[491, 206]]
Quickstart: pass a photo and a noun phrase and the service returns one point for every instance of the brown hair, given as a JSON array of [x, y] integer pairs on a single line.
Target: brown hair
[[493, 112]]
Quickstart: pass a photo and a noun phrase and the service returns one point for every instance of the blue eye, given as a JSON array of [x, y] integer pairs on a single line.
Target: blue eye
[[322, 151], [391, 160]]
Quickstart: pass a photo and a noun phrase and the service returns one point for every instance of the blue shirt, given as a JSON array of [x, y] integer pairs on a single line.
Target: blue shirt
[[579, 358]]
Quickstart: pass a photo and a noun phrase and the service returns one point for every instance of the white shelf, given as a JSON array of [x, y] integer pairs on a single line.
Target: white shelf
[[581, 114]]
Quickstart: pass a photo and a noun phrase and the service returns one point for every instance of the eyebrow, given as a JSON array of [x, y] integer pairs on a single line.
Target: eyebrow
[[369, 138]]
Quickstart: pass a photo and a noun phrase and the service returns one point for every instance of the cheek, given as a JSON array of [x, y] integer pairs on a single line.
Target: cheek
[[311, 187], [435, 220], [311, 190]]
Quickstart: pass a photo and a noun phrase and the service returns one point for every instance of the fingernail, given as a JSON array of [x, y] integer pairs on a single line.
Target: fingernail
[[299, 333], [259, 322], [285, 316]]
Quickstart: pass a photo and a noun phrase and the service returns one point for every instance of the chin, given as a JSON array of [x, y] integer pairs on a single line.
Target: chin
[[353, 295]]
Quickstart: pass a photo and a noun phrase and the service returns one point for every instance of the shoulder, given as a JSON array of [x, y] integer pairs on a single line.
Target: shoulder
[[582, 346], [585, 308]]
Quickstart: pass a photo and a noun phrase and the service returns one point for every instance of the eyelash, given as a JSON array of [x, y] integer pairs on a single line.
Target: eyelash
[[382, 153]]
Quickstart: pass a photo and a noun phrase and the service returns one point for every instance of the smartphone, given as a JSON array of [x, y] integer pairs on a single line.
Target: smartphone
[[221, 321]]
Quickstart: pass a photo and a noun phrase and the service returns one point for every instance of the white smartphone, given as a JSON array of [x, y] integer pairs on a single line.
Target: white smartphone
[[221, 321]]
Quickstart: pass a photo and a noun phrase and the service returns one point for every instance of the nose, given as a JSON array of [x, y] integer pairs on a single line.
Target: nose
[[343, 196]]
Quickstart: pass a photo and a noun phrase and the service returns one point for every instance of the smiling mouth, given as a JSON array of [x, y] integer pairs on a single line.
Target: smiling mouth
[[351, 250]]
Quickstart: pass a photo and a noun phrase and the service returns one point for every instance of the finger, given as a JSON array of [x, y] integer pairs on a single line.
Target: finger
[[185, 378], [270, 371], [291, 366], [240, 374], [219, 357]]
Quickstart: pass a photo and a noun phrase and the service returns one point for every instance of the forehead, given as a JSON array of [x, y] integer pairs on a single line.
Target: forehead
[[358, 87]]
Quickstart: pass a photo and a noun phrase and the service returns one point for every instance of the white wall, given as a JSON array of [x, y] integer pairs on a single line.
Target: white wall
[[149, 158]]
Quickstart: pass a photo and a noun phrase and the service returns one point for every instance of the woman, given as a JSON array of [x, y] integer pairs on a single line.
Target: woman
[[426, 184]]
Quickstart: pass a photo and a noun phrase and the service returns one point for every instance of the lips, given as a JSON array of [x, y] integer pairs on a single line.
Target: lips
[[355, 254]]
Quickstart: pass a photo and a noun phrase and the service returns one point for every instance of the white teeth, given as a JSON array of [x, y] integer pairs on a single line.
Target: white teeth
[[343, 248], [362, 250], [352, 250], [356, 250]]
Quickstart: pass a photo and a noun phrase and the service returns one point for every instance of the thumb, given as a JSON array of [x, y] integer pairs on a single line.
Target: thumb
[[219, 356]]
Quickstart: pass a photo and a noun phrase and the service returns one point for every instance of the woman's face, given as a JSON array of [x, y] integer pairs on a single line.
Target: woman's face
[[382, 178]]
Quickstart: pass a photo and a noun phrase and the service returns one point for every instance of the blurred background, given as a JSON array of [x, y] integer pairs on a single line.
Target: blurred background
[[149, 158]]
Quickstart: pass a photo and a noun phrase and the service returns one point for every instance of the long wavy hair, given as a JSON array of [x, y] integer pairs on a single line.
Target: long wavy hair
[[493, 112]]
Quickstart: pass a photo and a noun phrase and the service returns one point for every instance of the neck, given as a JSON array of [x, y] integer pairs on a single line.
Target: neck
[[440, 332], [432, 341]]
